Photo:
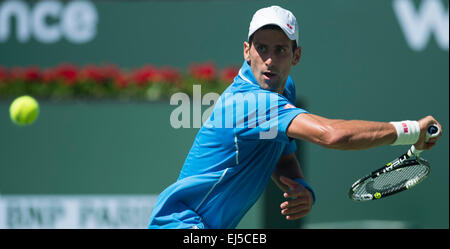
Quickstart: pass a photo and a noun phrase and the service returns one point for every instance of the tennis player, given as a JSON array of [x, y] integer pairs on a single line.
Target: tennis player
[[249, 138]]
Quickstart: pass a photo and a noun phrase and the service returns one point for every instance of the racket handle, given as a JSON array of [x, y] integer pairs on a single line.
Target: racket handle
[[432, 131]]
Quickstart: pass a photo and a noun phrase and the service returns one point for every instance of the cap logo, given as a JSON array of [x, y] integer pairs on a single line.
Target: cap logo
[[289, 26]]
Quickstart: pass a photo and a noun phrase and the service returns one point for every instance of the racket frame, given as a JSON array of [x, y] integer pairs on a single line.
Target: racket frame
[[403, 161]]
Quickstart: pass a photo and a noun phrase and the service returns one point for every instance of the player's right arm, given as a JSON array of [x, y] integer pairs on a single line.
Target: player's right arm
[[352, 134]]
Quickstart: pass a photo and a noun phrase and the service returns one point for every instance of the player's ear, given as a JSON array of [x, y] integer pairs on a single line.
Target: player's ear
[[297, 55], [247, 51]]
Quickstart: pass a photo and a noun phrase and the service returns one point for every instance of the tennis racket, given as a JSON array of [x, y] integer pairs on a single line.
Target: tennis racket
[[398, 175]]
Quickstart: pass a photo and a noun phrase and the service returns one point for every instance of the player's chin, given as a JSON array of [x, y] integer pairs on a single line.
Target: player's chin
[[270, 84]]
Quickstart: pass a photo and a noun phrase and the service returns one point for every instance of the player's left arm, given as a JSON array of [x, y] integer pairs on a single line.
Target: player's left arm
[[299, 199]]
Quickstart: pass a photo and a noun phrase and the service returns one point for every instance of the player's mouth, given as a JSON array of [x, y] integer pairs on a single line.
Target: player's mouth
[[268, 75]]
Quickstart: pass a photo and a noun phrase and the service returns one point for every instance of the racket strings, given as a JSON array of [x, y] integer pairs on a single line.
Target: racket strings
[[393, 181]]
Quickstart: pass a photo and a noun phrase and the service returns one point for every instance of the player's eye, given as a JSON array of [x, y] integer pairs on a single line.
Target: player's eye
[[261, 48], [281, 50]]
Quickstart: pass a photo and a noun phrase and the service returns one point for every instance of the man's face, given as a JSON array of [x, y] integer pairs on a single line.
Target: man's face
[[270, 56]]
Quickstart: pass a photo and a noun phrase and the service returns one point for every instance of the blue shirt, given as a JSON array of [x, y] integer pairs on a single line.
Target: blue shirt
[[232, 158]]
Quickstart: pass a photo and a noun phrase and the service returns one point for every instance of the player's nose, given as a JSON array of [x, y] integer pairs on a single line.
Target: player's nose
[[268, 61]]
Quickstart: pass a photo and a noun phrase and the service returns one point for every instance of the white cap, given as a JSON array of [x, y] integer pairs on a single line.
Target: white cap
[[278, 16]]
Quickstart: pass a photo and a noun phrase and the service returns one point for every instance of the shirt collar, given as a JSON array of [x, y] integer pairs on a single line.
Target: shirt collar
[[246, 74]]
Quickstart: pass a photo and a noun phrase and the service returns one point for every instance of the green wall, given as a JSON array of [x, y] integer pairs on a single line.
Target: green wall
[[357, 63], [84, 147]]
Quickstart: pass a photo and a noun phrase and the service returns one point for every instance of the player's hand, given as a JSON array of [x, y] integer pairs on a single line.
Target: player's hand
[[300, 200], [424, 124]]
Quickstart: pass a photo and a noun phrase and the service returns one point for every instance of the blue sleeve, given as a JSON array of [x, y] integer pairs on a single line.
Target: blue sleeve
[[266, 116]]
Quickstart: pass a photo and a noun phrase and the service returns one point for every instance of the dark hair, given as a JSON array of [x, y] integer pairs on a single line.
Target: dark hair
[[271, 26]]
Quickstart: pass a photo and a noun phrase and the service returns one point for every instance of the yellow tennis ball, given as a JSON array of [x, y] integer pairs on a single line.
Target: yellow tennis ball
[[24, 110], [377, 195]]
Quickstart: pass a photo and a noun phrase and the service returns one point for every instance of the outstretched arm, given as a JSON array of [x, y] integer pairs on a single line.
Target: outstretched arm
[[352, 134]]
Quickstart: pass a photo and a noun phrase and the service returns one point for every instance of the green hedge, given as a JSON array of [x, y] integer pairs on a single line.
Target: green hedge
[[148, 82]]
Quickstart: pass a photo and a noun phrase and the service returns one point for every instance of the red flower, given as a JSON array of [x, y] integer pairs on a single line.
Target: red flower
[[32, 74], [111, 71], [145, 74], [121, 80], [92, 73], [3, 74], [204, 72], [16, 74], [227, 75], [169, 75], [49, 75], [68, 73]]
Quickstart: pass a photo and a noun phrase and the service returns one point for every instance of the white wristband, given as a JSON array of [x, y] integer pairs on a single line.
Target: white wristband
[[408, 132]]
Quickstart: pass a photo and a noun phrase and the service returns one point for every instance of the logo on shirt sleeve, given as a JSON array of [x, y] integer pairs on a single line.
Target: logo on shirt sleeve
[[288, 106]]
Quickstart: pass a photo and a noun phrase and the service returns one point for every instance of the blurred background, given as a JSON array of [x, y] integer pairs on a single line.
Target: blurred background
[[103, 148]]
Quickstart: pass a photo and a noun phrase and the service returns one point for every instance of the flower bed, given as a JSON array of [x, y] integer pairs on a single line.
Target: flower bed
[[109, 81]]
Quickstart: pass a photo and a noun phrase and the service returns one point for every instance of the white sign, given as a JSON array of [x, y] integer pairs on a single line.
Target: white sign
[[431, 17], [49, 21], [76, 211]]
